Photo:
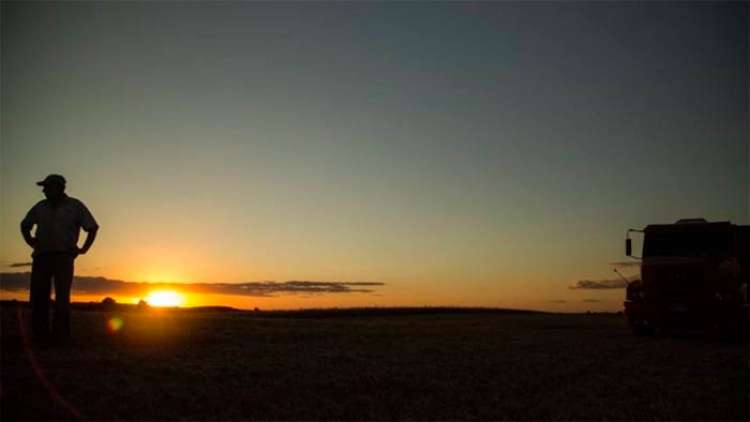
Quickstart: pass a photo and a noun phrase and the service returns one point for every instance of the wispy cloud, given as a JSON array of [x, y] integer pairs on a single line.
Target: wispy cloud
[[20, 264], [558, 301], [626, 264], [101, 285], [615, 283], [591, 300]]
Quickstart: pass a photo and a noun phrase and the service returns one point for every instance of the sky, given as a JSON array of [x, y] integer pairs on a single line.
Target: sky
[[455, 153]]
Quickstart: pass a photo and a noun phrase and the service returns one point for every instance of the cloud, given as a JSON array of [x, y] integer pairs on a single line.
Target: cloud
[[101, 285], [591, 300], [20, 264], [558, 301], [625, 264], [615, 283]]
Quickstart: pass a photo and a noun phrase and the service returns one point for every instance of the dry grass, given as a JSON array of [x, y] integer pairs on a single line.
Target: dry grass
[[472, 366]]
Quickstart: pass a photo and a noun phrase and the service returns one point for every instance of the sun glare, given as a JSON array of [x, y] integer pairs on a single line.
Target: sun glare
[[166, 298]]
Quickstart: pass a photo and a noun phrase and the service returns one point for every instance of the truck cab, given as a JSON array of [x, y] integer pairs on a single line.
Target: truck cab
[[694, 274]]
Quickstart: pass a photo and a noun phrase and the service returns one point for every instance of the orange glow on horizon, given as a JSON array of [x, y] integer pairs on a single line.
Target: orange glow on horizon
[[159, 277]]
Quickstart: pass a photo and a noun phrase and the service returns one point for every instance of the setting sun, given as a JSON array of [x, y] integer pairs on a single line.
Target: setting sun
[[165, 298]]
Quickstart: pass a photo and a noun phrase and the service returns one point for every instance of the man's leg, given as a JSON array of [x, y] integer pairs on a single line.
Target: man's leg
[[41, 275], [63, 282]]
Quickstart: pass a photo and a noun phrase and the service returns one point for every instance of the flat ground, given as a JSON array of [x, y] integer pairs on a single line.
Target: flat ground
[[221, 365]]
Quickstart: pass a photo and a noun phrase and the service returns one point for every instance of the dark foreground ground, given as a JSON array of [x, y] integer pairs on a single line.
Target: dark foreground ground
[[163, 365]]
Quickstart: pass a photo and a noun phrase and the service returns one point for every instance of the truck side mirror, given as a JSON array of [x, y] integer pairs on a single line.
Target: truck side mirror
[[628, 247]]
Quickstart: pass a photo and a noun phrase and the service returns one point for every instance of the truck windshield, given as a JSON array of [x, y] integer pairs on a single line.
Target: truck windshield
[[686, 244]]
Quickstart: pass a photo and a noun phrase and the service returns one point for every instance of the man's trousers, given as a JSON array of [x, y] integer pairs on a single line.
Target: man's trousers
[[45, 268]]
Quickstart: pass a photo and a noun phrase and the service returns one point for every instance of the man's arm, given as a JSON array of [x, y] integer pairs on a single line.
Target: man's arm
[[26, 225], [90, 236], [89, 225], [26, 232]]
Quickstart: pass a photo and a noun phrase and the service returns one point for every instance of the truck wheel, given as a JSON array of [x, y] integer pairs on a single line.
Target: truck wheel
[[642, 328], [732, 333]]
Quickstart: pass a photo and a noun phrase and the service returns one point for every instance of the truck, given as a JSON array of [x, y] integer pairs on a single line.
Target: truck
[[693, 275]]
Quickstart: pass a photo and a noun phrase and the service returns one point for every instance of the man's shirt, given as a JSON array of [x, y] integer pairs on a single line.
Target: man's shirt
[[57, 228]]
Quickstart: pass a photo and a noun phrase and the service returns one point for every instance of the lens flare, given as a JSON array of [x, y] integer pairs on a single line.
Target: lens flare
[[114, 324]]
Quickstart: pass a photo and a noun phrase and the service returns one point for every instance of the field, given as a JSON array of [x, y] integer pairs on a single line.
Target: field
[[441, 364]]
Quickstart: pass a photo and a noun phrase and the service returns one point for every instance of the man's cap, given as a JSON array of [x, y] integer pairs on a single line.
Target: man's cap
[[52, 179]]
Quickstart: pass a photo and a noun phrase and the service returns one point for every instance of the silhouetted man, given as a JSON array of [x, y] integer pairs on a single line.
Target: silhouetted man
[[58, 221]]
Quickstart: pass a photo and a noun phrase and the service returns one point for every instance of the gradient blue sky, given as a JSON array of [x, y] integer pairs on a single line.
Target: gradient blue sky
[[462, 153]]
